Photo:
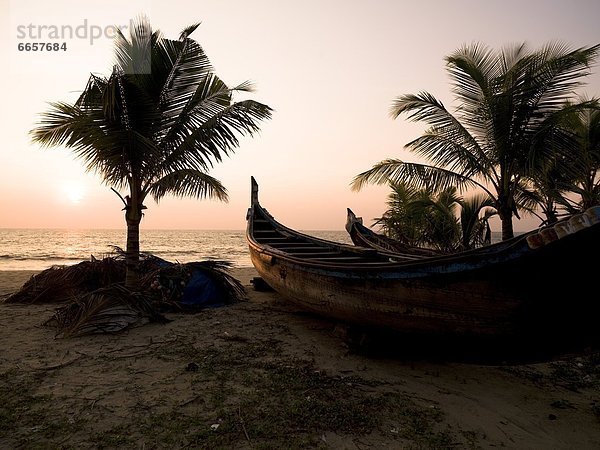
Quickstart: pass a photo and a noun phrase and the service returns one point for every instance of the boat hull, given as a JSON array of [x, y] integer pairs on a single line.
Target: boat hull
[[531, 295], [403, 305], [505, 290]]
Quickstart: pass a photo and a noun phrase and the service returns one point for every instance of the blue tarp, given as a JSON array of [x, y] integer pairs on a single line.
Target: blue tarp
[[201, 292]]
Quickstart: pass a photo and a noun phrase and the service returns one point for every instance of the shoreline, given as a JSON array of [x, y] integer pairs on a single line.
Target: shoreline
[[12, 280]]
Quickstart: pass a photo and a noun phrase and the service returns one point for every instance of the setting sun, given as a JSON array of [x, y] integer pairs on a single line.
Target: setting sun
[[72, 191]]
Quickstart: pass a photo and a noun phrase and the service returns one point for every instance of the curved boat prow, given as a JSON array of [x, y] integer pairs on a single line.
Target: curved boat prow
[[253, 191], [351, 219], [364, 237]]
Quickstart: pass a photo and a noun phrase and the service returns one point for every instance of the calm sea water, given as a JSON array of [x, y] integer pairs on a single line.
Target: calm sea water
[[37, 249]]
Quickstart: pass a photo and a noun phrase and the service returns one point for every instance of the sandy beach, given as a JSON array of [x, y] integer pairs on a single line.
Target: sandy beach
[[262, 373]]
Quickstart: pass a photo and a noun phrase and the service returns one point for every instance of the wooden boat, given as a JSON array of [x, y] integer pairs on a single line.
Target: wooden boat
[[364, 237], [533, 283]]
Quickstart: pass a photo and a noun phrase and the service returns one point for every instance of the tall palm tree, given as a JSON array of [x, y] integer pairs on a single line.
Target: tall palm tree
[[154, 126], [509, 106]]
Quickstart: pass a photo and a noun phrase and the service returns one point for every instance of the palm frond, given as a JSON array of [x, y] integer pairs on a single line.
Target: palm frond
[[187, 66], [92, 94], [527, 200], [63, 283], [546, 80], [217, 137], [99, 303], [185, 33], [134, 55], [447, 143], [444, 149], [420, 175], [475, 228], [106, 310], [107, 150], [472, 69], [63, 124], [510, 57], [188, 183], [210, 97]]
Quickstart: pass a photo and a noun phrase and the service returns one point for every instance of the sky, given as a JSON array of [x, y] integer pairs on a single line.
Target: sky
[[330, 69]]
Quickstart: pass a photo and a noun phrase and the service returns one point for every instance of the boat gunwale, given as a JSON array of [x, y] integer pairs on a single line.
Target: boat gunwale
[[425, 261]]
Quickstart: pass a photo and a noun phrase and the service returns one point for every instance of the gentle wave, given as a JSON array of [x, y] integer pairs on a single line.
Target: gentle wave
[[39, 258], [27, 249]]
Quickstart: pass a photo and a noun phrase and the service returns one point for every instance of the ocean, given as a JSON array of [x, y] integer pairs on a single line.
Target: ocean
[[38, 249]]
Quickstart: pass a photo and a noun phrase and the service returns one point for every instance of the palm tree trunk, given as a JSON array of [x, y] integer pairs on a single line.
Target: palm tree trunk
[[507, 225], [587, 197], [133, 217], [132, 255], [504, 203], [551, 217]]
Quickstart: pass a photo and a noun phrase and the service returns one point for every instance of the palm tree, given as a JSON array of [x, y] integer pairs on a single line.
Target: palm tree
[[510, 102], [420, 217], [475, 213], [585, 124], [546, 189], [440, 227], [401, 221], [567, 184], [154, 126]]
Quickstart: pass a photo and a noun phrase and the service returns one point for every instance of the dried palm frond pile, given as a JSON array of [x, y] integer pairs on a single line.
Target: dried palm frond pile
[[105, 310], [99, 303], [59, 284]]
